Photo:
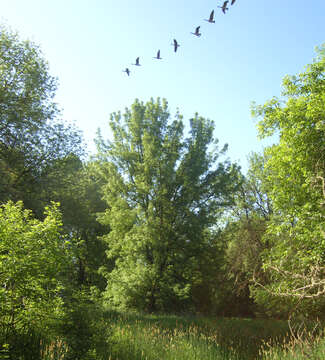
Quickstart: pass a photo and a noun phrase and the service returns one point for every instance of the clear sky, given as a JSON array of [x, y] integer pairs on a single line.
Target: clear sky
[[239, 59]]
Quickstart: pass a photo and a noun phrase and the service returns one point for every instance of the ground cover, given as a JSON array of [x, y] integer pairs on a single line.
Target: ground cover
[[150, 337]]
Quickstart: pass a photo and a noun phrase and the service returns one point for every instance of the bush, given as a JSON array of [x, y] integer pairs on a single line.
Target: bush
[[33, 258]]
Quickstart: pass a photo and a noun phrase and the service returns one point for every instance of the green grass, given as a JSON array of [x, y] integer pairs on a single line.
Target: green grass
[[192, 338], [304, 344], [166, 337]]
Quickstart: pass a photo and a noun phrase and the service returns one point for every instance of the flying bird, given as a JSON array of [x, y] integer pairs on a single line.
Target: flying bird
[[158, 55], [224, 6], [176, 45], [127, 71], [232, 2], [211, 19], [137, 63], [197, 31]]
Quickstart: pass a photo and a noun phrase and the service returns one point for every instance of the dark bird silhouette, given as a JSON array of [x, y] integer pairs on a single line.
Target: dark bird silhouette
[[211, 19], [158, 56], [224, 6], [176, 45], [127, 71], [232, 2], [137, 62], [197, 31]]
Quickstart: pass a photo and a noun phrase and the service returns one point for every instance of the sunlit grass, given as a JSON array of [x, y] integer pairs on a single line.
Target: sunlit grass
[[170, 337], [304, 344], [56, 350], [166, 337]]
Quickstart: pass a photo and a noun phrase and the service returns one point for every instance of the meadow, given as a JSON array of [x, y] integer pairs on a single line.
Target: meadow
[[153, 337], [136, 336]]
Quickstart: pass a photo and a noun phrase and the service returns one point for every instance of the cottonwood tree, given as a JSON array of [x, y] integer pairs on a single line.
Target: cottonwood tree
[[163, 191]]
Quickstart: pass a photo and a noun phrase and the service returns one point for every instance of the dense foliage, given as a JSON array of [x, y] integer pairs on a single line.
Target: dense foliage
[[48, 260], [31, 136], [34, 257], [295, 175]]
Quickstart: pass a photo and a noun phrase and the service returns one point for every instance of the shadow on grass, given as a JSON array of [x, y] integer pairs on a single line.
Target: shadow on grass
[[140, 336]]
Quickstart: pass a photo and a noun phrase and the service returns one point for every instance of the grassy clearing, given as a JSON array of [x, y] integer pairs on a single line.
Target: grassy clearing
[[177, 338], [153, 337]]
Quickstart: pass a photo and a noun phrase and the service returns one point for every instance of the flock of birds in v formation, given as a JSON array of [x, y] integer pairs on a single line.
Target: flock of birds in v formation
[[197, 33]]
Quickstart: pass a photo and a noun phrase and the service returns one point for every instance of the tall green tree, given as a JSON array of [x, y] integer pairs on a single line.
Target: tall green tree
[[296, 176], [163, 191], [31, 136]]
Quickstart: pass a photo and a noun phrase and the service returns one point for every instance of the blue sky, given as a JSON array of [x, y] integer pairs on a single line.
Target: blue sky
[[239, 59]]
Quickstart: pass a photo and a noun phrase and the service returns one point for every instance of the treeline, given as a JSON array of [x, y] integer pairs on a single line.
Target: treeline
[[158, 220]]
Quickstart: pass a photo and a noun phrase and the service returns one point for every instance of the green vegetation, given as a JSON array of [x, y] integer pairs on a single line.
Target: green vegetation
[[173, 337], [295, 176], [158, 222], [151, 337]]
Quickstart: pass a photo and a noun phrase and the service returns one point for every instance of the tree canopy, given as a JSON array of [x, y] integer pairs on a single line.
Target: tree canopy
[[31, 135]]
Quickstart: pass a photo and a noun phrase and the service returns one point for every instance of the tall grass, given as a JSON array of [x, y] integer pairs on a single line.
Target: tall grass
[[192, 338], [56, 350], [165, 337], [303, 343]]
